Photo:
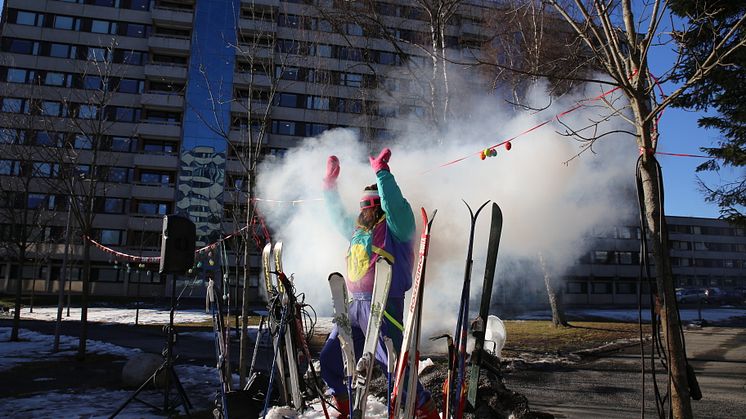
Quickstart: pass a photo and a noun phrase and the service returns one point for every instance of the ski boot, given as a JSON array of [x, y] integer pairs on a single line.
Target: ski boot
[[342, 403]]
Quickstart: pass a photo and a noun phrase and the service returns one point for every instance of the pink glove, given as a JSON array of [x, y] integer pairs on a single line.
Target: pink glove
[[332, 172], [382, 161]]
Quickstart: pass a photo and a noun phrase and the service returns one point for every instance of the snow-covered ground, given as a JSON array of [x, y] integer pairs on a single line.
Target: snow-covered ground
[[118, 315], [200, 382]]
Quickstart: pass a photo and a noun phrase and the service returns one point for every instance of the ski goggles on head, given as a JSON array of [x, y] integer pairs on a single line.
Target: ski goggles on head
[[370, 199], [370, 202]]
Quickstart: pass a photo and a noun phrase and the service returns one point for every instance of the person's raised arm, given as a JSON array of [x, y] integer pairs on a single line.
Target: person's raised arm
[[342, 220], [399, 215]]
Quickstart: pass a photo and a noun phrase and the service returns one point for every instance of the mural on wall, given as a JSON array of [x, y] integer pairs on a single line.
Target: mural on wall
[[200, 185]]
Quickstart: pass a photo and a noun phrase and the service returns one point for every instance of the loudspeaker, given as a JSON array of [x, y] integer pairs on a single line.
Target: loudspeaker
[[177, 245]]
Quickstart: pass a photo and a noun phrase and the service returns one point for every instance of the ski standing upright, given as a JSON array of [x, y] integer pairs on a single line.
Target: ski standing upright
[[409, 353], [479, 324], [342, 320], [456, 386], [364, 368]]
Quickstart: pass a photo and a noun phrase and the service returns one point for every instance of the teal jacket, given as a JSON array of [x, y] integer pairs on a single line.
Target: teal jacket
[[392, 238]]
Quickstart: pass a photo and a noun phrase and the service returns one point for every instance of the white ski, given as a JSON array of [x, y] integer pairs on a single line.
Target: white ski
[[344, 329], [364, 368], [290, 352]]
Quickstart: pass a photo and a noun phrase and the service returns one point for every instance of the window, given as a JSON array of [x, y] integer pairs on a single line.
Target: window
[[313, 130], [82, 142], [155, 177], [28, 18], [162, 116], [287, 100], [44, 169], [575, 287], [59, 51], [283, 127], [13, 105], [11, 136], [120, 143], [134, 57], [113, 206], [354, 29], [352, 80], [288, 21], [100, 26], [96, 54], [324, 51], [603, 257], [136, 4], [601, 287], [130, 86], [135, 30], [628, 258], [54, 79], [87, 111], [123, 114], [153, 208], [50, 108], [63, 22], [626, 288], [44, 138], [158, 146], [8, 168], [20, 46], [316, 102], [92, 82], [117, 174], [289, 73], [111, 237], [16, 75], [36, 201]]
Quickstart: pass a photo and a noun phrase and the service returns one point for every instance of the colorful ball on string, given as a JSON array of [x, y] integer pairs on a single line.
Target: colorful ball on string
[[508, 146], [493, 152], [211, 262], [482, 156], [199, 264]]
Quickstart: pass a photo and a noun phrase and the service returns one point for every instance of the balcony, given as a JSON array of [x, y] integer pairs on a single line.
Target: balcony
[[153, 191], [168, 44], [159, 161], [249, 25], [159, 130], [246, 79], [161, 100], [172, 16], [165, 72], [141, 222]]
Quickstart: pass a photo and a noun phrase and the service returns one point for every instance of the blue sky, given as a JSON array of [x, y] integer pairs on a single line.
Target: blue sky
[[680, 134]]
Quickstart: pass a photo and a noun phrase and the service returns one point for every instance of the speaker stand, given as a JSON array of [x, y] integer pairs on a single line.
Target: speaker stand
[[167, 366]]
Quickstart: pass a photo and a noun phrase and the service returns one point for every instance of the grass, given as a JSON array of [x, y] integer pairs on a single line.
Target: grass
[[541, 336]]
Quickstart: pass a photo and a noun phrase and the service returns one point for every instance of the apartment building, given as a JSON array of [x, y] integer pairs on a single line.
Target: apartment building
[[704, 252], [159, 101]]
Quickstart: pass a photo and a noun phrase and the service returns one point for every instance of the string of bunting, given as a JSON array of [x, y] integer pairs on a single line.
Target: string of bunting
[[156, 259]]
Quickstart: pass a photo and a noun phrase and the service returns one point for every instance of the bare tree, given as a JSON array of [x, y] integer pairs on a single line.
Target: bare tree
[[26, 209], [620, 38], [84, 156], [555, 302]]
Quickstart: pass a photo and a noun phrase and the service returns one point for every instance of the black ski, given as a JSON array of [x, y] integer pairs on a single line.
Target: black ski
[[456, 386], [478, 326]]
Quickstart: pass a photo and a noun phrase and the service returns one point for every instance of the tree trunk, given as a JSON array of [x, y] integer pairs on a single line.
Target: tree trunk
[[243, 359], [665, 295], [558, 313], [84, 298], [19, 292], [665, 298]]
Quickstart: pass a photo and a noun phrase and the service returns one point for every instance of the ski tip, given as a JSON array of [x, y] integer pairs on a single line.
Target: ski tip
[[335, 275]]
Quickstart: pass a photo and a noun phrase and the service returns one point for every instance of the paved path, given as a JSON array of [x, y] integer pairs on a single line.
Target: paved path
[[610, 387]]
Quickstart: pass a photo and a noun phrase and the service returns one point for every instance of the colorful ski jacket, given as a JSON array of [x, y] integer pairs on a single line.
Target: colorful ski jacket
[[392, 238]]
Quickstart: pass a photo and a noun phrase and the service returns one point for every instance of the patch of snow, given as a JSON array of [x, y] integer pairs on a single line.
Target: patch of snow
[[374, 409], [119, 315]]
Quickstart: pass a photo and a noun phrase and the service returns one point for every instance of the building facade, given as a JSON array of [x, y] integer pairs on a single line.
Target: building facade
[[704, 252], [154, 107]]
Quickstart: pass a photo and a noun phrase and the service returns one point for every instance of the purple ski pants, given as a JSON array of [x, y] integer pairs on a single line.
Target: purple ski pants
[[332, 366]]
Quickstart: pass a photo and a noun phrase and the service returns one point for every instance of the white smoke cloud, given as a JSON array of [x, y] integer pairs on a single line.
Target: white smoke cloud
[[548, 206]]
